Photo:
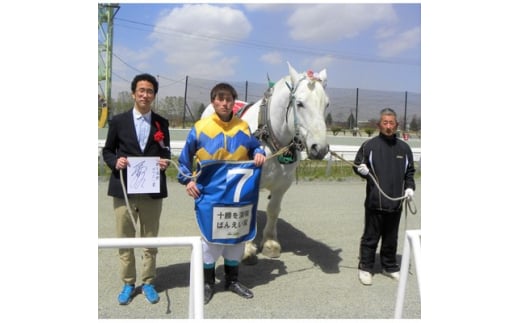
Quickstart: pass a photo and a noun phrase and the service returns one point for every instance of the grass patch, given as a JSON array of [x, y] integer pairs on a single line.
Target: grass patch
[[308, 170]]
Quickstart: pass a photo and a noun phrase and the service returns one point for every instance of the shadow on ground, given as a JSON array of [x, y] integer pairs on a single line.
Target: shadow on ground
[[265, 270], [297, 242]]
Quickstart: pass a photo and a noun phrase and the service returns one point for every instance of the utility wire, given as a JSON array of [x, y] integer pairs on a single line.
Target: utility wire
[[260, 44]]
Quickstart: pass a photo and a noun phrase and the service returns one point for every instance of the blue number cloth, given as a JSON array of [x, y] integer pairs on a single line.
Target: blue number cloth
[[226, 208]]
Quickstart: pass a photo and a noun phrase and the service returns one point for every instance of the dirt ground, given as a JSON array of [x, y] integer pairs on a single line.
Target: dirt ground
[[315, 278]]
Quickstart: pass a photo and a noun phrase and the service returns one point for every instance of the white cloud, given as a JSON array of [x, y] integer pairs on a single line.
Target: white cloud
[[139, 60], [272, 58], [332, 22], [191, 37], [399, 43], [216, 41], [266, 6], [320, 63]]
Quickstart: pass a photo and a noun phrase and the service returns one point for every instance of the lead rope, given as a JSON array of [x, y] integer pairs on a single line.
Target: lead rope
[[279, 152], [409, 203], [134, 222], [171, 161]]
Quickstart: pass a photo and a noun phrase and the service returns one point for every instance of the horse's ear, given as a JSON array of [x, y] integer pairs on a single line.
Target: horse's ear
[[293, 73], [323, 77]]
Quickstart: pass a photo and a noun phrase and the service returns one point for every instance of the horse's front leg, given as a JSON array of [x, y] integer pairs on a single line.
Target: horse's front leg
[[270, 245], [249, 257]]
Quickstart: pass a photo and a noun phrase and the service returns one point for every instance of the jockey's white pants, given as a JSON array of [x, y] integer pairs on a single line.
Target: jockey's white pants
[[212, 251]]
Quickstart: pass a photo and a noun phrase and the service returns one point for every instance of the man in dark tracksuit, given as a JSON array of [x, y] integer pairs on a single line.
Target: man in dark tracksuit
[[390, 161]]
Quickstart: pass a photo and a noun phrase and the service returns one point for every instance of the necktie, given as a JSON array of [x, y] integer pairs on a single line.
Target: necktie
[[142, 132]]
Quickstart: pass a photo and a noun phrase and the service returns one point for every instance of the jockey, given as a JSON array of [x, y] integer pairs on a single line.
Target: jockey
[[222, 136]]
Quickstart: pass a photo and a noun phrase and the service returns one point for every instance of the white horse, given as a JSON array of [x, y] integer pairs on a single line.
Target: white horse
[[290, 117]]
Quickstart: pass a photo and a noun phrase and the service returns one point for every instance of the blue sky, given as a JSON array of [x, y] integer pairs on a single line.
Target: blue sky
[[369, 46]]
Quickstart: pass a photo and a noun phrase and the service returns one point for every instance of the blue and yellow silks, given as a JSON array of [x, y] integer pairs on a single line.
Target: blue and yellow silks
[[213, 139]]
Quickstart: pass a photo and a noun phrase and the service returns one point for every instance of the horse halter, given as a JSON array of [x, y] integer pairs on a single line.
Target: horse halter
[[297, 141], [266, 133]]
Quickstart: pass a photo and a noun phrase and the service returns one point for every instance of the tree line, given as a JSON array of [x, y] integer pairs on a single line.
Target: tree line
[[350, 125], [173, 108], [170, 107]]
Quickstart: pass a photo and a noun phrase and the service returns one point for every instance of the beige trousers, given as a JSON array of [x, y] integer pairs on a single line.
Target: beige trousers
[[146, 212]]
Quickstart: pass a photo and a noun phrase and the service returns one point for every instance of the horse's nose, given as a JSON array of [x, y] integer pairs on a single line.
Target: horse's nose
[[318, 151]]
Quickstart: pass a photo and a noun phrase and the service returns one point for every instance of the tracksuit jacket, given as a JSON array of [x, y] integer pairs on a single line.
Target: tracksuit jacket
[[390, 161]]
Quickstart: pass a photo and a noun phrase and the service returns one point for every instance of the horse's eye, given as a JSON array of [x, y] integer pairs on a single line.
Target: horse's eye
[[299, 105]]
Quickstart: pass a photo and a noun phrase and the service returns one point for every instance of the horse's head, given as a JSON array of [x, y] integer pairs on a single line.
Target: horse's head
[[306, 110]]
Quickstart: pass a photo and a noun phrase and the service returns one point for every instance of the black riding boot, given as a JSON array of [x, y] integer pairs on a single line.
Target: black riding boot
[[233, 284], [209, 284]]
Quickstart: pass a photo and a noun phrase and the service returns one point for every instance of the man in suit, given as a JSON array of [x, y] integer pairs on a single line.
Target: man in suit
[[137, 132]]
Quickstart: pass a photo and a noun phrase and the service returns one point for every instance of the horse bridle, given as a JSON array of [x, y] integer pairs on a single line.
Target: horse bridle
[[267, 134], [298, 141]]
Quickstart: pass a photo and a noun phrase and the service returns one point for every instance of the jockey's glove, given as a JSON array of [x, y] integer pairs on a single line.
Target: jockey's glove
[[408, 193], [363, 169]]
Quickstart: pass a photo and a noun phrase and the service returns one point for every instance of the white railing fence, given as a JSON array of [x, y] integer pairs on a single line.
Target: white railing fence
[[196, 294], [347, 152], [413, 242]]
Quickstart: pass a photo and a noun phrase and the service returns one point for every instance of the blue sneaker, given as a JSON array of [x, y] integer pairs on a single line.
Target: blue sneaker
[[150, 293], [126, 294]]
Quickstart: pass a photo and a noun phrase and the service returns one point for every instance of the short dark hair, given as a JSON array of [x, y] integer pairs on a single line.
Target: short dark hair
[[145, 77], [388, 111], [223, 87]]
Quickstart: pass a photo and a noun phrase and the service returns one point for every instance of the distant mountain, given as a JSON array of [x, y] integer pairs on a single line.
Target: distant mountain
[[370, 102], [342, 100]]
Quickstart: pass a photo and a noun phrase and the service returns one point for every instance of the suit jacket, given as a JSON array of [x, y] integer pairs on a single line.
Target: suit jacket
[[122, 141]]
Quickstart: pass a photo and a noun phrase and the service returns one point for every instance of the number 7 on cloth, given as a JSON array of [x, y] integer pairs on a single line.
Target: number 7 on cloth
[[226, 208]]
